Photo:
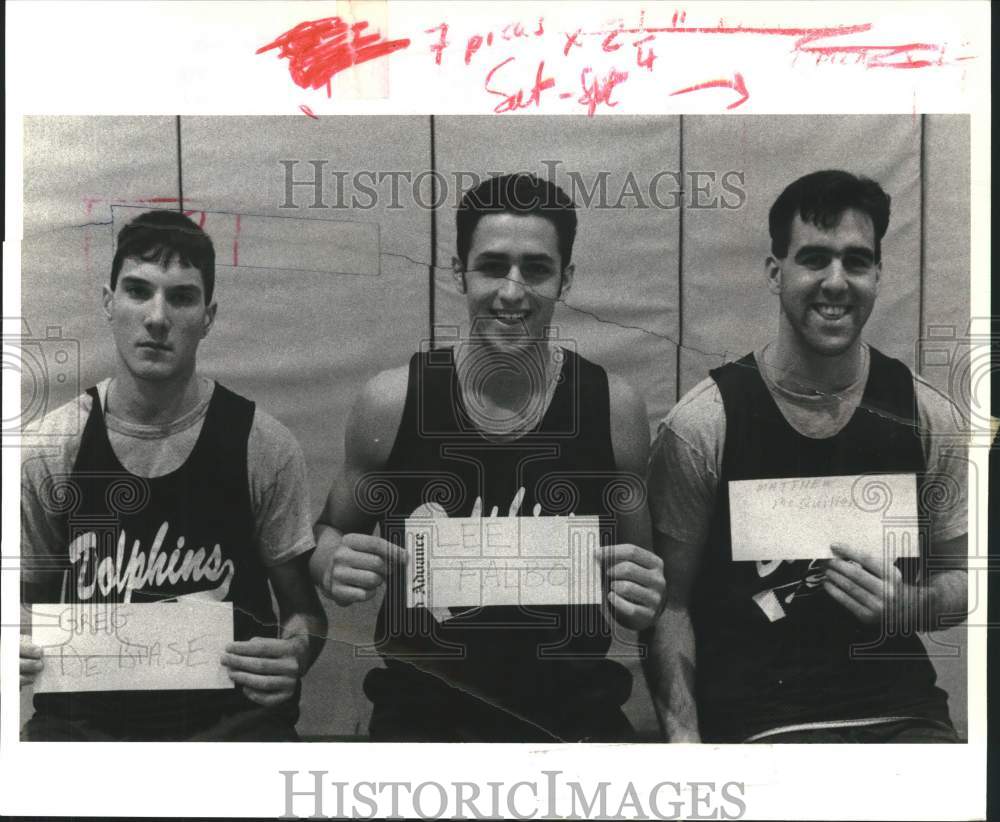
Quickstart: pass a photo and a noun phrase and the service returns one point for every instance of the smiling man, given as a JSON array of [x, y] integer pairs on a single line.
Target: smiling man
[[775, 650], [206, 499], [506, 423]]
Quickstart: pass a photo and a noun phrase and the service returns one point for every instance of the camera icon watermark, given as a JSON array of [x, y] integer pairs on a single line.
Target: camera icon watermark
[[963, 363], [49, 368]]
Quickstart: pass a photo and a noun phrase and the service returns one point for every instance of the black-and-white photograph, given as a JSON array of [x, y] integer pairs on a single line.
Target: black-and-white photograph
[[646, 429]]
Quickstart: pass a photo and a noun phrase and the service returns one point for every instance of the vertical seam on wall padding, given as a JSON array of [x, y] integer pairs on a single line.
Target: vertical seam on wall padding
[[923, 239], [680, 259], [432, 268], [180, 173]]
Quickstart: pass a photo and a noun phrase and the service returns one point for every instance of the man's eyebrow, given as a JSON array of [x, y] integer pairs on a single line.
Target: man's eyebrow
[[185, 288], [825, 249], [131, 279]]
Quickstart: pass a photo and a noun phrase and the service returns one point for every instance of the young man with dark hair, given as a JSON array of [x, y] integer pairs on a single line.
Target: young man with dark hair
[[775, 650], [171, 458], [505, 423]]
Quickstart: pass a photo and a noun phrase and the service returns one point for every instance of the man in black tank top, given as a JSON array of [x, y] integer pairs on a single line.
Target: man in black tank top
[[820, 650], [177, 490], [505, 423]]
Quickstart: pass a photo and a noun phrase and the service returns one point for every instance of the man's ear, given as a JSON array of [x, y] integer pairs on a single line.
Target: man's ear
[[566, 281], [210, 310], [107, 298], [458, 272], [772, 267]]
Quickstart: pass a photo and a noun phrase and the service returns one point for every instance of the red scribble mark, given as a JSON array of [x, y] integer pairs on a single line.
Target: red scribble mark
[[307, 111], [642, 59], [318, 49], [880, 56], [541, 28], [513, 102], [571, 41], [737, 84], [599, 90], [236, 243], [441, 44], [472, 46]]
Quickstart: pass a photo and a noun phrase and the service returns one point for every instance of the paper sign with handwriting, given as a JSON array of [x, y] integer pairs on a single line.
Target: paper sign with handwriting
[[799, 518], [132, 647], [466, 562]]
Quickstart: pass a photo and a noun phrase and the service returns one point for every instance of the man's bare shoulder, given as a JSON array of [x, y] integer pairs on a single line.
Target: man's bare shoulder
[[385, 393], [376, 415]]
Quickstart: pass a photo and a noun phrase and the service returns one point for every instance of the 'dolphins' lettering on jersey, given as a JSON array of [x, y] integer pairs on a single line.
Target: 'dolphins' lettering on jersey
[[145, 570]]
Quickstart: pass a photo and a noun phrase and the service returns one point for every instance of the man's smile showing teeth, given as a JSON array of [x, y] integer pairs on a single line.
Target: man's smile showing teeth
[[509, 317], [830, 312]]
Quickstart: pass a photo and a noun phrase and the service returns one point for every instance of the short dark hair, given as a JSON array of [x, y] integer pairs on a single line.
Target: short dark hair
[[160, 237], [821, 198], [523, 194]]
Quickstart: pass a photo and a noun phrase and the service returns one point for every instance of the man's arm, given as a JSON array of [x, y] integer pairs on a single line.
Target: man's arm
[[634, 572], [670, 666], [682, 479], [268, 669], [42, 568], [872, 591], [349, 564]]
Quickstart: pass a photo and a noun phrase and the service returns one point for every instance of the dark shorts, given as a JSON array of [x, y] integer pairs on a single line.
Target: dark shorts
[[253, 725], [920, 731], [420, 713]]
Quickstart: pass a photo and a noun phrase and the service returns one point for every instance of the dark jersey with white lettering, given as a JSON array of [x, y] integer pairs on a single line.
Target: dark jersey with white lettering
[[498, 673], [773, 648], [184, 537]]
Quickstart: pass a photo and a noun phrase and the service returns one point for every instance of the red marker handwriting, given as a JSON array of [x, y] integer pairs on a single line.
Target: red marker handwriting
[[572, 40], [642, 58], [598, 90], [737, 84], [442, 43], [515, 101], [318, 49]]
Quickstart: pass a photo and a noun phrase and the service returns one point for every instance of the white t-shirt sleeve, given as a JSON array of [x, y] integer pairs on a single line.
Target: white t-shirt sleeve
[[943, 434], [685, 464], [279, 491], [47, 457]]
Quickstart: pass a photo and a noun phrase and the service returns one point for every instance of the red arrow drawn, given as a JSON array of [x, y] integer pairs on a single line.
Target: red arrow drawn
[[737, 84]]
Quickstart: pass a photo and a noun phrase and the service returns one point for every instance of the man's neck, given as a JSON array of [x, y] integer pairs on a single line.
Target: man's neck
[[805, 372], [506, 392], [504, 378], [149, 402]]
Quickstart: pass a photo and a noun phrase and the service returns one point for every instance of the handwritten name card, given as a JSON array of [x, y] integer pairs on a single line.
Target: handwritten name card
[[133, 647], [799, 518], [478, 561]]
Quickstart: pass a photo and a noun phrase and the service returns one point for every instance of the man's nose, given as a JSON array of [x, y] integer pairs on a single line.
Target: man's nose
[[157, 315], [834, 277], [513, 285]]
